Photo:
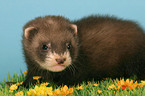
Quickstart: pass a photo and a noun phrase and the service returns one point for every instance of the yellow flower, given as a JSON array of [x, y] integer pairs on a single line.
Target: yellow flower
[[19, 93], [142, 83], [13, 87], [25, 72], [122, 82], [70, 90], [41, 90], [19, 83], [31, 92], [99, 91], [80, 87], [95, 84], [49, 91], [65, 88], [126, 84], [134, 85], [56, 92], [112, 87], [11, 91], [65, 91], [36, 77], [44, 84]]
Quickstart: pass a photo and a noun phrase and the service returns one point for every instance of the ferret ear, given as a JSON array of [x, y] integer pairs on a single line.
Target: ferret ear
[[74, 28], [30, 32]]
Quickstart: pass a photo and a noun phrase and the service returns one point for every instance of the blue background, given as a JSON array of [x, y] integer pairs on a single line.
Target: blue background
[[15, 13]]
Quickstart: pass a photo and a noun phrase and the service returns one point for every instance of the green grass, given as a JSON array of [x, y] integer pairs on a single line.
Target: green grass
[[88, 88]]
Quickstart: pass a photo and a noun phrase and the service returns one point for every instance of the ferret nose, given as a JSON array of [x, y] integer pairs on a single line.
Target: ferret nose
[[60, 60]]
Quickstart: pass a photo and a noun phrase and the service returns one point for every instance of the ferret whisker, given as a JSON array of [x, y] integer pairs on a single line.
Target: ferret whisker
[[73, 70]]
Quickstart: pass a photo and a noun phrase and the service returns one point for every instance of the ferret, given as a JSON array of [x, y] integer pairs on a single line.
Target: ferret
[[92, 48]]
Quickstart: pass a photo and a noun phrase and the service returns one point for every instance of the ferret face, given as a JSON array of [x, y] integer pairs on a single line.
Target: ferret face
[[51, 44]]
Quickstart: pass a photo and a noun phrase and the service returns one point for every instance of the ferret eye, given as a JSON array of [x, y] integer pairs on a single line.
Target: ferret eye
[[68, 46], [44, 47]]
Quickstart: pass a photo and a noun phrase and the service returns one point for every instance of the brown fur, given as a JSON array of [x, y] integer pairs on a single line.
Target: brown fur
[[113, 47], [103, 47]]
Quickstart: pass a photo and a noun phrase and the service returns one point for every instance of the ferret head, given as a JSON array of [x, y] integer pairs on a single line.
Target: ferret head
[[51, 42]]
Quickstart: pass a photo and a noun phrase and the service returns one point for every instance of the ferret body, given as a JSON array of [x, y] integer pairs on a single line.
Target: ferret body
[[94, 47]]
